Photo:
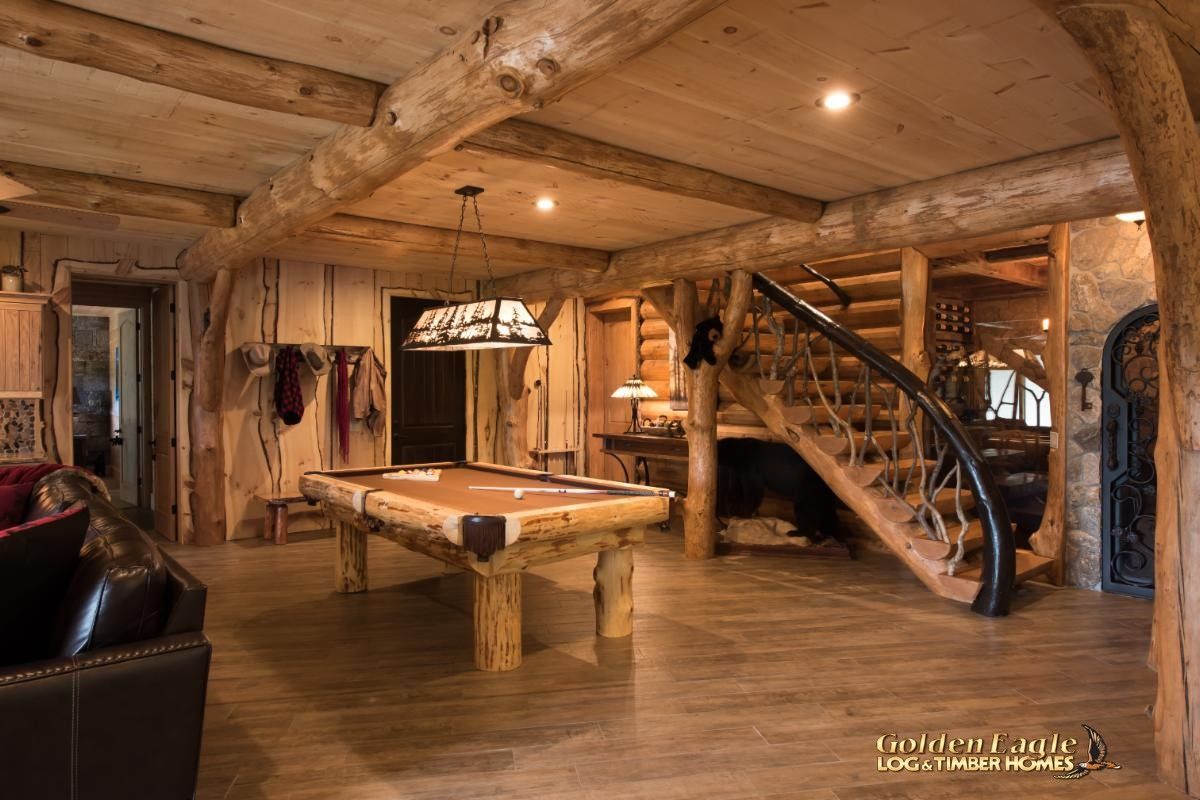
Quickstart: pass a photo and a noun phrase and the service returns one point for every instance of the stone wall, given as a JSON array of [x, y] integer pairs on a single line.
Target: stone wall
[[1112, 273]]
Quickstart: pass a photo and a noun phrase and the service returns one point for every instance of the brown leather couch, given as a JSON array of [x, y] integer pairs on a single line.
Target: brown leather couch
[[116, 707]]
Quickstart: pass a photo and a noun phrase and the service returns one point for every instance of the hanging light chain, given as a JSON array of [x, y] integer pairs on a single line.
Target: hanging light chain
[[487, 261], [462, 216]]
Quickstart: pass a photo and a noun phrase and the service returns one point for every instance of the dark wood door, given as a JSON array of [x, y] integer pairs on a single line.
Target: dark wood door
[[429, 395]]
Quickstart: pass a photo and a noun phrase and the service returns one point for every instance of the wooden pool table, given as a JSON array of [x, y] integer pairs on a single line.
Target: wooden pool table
[[494, 535]]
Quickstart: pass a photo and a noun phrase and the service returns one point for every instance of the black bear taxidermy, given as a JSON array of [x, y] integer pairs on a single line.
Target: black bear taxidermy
[[746, 468], [707, 333]]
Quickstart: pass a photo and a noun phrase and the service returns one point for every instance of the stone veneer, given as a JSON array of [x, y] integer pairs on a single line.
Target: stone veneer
[[1112, 273]]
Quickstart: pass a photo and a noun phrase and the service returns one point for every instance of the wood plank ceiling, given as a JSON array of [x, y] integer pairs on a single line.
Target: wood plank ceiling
[[944, 86]]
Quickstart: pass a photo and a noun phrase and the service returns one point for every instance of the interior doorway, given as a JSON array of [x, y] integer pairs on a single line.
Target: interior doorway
[[123, 396], [612, 342], [429, 394]]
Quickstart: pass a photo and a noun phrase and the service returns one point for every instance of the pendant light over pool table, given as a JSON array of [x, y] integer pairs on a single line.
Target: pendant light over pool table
[[479, 324]]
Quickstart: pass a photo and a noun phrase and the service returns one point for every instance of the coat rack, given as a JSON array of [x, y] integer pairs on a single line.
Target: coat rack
[[354, 352]]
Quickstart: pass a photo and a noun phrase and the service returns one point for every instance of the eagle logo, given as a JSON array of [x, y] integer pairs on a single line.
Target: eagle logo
[[1097, 757]]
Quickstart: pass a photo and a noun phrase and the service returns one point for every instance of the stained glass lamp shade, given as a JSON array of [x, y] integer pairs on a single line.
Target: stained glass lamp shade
[[634, 390]]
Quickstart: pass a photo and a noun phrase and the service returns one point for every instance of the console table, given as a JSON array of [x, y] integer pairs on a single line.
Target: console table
[[642, 446]]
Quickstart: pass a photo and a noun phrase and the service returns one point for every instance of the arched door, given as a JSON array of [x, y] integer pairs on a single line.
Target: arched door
[[1129, 430]]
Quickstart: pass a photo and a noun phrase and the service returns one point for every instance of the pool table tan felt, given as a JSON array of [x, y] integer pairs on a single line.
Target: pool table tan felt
[[492, 534]]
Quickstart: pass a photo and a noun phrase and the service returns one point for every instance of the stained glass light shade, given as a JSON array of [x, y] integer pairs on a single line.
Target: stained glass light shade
[[477, 325], [634, 390]]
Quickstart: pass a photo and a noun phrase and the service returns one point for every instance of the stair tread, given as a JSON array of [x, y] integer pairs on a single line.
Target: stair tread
[[1029, 564]]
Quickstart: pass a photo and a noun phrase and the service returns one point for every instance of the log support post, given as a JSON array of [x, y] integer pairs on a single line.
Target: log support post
[[700, 508], [514, 394], [914, 321], [1132, 60], [209, 314], [1049, 540], [914, 311]]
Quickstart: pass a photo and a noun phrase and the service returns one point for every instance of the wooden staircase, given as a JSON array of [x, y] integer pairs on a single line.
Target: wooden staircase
[[882, 461]]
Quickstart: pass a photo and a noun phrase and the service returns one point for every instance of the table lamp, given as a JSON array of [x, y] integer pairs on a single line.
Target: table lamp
[[635, 390]]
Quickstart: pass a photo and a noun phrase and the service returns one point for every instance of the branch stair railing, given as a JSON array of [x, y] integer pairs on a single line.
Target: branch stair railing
[[890, 448]]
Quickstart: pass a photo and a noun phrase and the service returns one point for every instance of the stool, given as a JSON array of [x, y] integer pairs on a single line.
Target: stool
[[275, 522]]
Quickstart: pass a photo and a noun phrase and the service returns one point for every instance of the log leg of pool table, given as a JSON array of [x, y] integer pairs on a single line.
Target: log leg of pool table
[[614, 592], [498, 621], [350, 571]]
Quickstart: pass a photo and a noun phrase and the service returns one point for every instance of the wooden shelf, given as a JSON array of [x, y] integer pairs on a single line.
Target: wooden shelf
[[30, 297]]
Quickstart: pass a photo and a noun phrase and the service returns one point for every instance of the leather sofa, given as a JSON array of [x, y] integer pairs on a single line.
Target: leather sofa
[[115, 705]]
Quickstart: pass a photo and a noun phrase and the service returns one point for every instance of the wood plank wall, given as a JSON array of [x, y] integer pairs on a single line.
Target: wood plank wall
[[557, 411], [285, 301]]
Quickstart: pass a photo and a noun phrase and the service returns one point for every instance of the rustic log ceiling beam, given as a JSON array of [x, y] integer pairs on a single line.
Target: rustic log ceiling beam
[[403, 236], [1082, 182], [58, 188], [86, 192], [65, 33], [1023, 273], [538, 144], [523, 55]]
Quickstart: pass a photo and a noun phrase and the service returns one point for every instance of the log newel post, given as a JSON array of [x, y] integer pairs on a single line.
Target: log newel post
[[1131, 57], [513, 405], [209, 306], [1049, 539], [700, 508]]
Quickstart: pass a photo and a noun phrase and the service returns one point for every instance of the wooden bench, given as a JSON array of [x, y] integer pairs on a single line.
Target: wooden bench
[[275, 521]]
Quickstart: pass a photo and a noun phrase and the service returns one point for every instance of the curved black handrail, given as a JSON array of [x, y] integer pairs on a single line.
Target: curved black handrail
[[999, 551]]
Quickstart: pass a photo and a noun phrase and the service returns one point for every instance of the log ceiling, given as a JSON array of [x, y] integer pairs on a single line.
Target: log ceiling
[[715, 130]]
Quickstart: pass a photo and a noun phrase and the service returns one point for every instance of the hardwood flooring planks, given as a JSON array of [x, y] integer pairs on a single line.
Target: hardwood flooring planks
[[745, 677]]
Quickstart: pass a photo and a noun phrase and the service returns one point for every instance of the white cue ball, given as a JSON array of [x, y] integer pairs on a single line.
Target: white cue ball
[[519, 493]]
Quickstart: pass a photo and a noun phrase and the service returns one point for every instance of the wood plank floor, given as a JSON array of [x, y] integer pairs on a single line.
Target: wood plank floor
[[746, 677]]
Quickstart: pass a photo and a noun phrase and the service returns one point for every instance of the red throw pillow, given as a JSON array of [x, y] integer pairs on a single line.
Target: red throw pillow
[[13, 501], [26, 473], [37, 560]]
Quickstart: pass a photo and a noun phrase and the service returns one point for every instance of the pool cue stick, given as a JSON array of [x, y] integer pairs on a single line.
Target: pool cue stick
[[622, 492]]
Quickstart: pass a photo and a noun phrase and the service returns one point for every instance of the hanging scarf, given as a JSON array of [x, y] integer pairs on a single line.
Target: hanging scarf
[[342, 405], [289, 401]]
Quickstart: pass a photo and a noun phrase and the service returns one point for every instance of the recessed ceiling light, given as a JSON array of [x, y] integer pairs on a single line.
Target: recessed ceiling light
[[837, 101], [1132, 216], [546, 204]]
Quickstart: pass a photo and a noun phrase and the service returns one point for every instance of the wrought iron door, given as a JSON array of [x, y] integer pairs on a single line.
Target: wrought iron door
[[1129, 429]]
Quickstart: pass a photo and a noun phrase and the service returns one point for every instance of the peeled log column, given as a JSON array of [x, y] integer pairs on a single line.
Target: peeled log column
[[514, 394], [1049, 539], [1142, 84], [205, 414], [914, 304], [914, 311], [498, 622], [613, 593], [350, 569], [700, 508]]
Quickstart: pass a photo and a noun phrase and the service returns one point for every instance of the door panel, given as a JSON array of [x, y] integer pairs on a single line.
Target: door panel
[[429, 394], [612, 358], [127, 396], [162, 346], [1128, 476]]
